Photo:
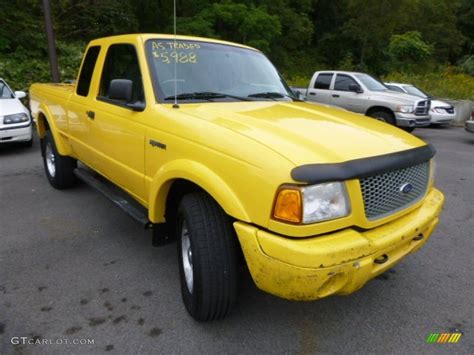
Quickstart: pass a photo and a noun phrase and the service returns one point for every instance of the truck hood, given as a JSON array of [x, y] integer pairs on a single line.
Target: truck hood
[[395, 97], [306, 133], [439, 103]]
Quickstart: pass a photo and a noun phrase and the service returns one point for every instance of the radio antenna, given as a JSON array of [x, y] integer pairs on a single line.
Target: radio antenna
[[175, 59]]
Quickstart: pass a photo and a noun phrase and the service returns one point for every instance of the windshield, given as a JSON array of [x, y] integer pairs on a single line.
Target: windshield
[[5, 92], [414, 91], [212, 72], [371, 83]]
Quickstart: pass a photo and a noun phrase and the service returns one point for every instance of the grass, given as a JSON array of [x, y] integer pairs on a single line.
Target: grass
[[447, 84]]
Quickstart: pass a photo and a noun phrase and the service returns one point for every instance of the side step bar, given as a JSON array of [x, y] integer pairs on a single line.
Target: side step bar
[[121, 199], [115, 195]]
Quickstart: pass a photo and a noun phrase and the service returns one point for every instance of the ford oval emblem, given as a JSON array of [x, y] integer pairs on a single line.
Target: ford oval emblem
[[406, 188]]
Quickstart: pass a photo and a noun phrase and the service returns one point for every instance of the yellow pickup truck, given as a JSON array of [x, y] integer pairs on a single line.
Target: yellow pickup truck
[[203, 141]]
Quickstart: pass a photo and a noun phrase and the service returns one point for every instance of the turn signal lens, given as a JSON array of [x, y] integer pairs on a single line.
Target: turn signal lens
[[288, 205]]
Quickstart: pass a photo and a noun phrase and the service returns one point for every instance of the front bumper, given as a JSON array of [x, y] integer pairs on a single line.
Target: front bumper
[[20, 134], [338, 263], [469, 126], [411, 120], [440, 118]]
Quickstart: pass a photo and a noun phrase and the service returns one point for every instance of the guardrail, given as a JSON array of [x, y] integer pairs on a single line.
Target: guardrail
[[463, 109]]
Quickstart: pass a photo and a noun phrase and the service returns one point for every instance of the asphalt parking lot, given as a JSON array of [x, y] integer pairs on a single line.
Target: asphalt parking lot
[[73, 266]]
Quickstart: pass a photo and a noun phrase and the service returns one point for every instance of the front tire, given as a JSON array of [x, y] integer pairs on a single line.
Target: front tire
[[208, 257], [383, 116], [59, 169]]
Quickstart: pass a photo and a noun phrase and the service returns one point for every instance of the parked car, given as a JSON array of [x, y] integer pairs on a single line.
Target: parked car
[[362, 93], [223, 159], [469, 125], [15, 119], [440, 112]]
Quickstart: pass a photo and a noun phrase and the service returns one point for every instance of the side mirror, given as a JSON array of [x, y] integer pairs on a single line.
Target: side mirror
[[121, 90], [355, 88], [297, 94], [20, 94]]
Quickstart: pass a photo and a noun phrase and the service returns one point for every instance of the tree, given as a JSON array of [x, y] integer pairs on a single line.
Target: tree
[[369, 28], [436, 21], [299, 36], [249, 25], [409, 48], [465, 24]]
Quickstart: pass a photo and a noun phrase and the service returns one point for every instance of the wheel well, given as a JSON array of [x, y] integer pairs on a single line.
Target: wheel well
[[178, 189], [379, 108], [43, 125]]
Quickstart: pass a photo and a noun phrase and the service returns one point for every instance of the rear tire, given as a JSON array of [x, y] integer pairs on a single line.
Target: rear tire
[[383, 116], [59, 169], [208, 257]]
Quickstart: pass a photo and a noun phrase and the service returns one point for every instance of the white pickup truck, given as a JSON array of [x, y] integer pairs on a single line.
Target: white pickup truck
[[361, 93]]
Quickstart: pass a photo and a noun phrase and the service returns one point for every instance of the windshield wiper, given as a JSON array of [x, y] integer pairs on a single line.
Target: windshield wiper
[[205, 95], [274, 95]]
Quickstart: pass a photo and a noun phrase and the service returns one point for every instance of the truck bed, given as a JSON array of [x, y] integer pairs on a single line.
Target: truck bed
[[49, 95]]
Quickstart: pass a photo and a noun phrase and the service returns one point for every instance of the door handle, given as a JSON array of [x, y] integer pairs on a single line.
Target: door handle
[[335, 95], [312, 93], [90, 114]]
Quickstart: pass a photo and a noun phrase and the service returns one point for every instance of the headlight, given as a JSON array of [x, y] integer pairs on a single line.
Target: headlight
[[16, 118], [438, 110], [405, 108], [311, 204]]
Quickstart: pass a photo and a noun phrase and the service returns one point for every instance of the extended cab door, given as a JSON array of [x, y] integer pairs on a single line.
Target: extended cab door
[[318, 89], [79, 123], [118, 132], [348, 94]]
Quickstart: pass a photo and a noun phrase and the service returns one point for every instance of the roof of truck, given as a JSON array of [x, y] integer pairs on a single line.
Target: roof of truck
[[340, 72], [146, 36], [399, 84]]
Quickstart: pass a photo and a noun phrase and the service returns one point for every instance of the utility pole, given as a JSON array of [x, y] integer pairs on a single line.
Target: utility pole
[[53, 59]]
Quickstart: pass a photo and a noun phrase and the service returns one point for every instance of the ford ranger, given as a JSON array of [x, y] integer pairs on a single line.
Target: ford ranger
[[207, 141], [361, 93]]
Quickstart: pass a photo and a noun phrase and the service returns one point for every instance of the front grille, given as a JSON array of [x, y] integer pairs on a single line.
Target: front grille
[[422, 108], [383, 194]]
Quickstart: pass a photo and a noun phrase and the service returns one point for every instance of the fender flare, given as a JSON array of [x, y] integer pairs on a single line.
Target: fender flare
[[43, 110], [198, 174]]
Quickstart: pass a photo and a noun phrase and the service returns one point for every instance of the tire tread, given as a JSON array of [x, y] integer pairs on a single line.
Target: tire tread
[[215, 286], [65, 166]]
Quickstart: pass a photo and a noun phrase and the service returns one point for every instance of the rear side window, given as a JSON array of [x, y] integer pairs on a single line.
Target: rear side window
[[323, 81], [87, 70], [122, 63], [343, 82]]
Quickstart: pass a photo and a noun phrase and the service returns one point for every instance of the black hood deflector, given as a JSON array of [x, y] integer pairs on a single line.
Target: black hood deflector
[[361, 168]]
